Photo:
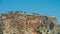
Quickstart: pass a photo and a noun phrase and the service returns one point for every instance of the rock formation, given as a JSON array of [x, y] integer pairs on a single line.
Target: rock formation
[[23, 23]]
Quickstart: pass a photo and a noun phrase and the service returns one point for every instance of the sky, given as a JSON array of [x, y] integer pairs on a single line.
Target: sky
[[45, 7]]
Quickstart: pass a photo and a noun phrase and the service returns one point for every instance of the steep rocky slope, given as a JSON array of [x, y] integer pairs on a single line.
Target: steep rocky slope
[[23, 23]]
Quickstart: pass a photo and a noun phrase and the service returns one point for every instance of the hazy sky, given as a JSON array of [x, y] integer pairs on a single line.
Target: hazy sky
[[49, 7]]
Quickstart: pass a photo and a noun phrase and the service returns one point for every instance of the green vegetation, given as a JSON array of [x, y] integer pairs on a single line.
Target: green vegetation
[[51, 25], [1, 31]]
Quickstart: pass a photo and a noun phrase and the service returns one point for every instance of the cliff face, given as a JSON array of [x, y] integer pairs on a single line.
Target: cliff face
[[23, 23]]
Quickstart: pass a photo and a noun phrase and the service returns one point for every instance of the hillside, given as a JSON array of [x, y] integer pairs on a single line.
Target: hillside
[[23, 23]]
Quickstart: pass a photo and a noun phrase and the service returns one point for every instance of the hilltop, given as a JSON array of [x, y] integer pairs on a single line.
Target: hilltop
[[24, 23]]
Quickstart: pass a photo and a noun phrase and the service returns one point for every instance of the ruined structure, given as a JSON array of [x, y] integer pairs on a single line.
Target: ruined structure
[[23, 23]]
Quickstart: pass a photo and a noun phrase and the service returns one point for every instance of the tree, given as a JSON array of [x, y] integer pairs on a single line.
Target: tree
[[58, 32], [51, 25]]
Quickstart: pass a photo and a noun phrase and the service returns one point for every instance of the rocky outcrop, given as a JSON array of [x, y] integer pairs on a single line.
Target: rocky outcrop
[[23, 23]]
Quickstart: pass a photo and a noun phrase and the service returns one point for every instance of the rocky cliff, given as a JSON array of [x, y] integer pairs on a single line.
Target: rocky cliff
[[23, 23]]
